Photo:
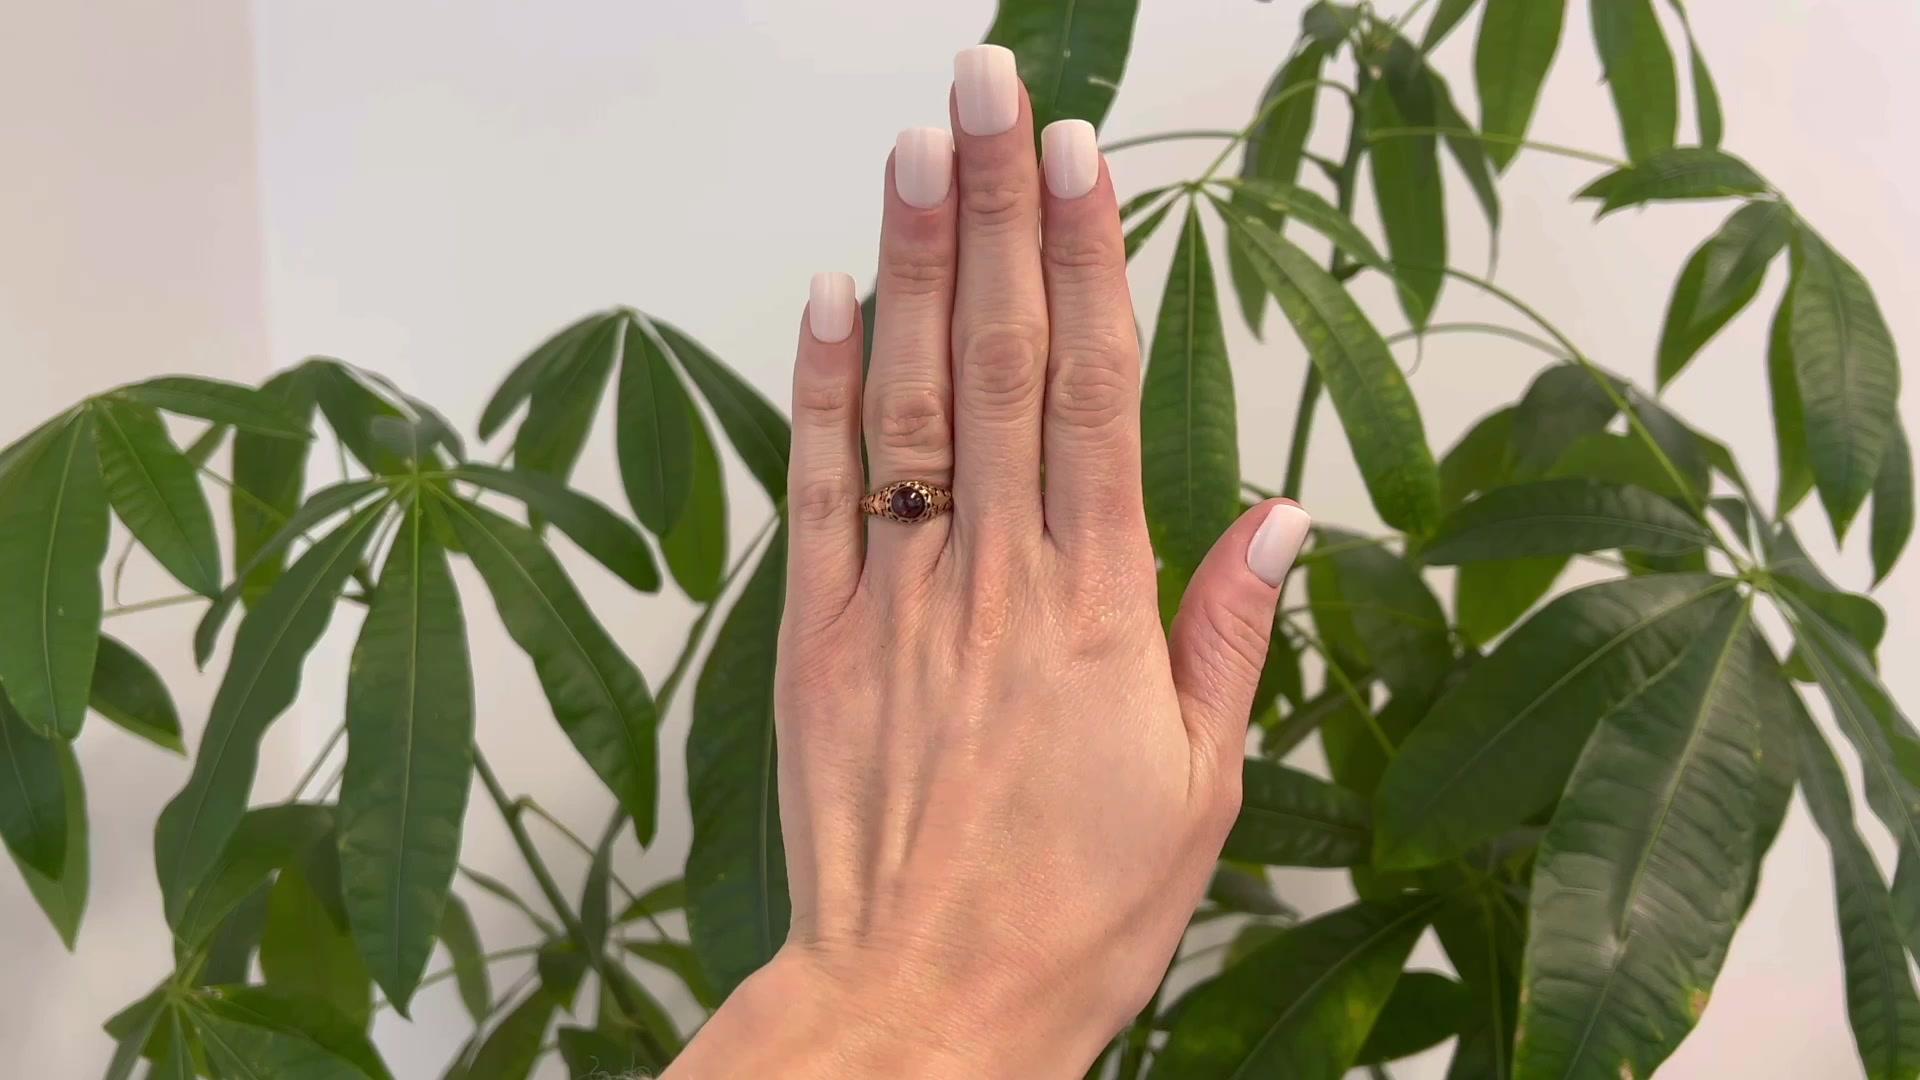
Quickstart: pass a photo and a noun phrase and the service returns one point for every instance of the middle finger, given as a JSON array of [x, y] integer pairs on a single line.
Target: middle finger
[[1000, 306]]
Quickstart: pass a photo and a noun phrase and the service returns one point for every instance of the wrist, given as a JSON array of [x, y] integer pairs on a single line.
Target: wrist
[[806, 1017]]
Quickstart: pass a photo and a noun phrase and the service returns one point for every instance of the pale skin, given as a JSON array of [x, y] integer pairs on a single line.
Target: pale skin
[[1002, 786]]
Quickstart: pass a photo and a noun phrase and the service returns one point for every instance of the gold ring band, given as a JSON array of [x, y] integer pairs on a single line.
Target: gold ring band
[[910, 502]]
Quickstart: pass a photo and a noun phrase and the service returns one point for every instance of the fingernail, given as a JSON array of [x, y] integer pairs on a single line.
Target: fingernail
[[923, 166], [830, 306], [1071, 157], [987, 86], [1277, 543]]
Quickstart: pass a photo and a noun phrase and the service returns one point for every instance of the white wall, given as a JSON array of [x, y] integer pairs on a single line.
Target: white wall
[[440, 184]]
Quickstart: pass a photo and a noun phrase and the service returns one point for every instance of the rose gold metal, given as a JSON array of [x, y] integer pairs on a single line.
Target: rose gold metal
[[879, 502]]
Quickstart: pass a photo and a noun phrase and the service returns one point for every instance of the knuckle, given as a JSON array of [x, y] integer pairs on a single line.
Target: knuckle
[[1228, 640], [910, 417], [998, 200], [916, 266], [1085, 256], [823, 400], [821, 499], [1003, 363], [1092, 386]]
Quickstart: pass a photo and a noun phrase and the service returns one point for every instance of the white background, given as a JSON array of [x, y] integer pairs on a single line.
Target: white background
[[428, 188]]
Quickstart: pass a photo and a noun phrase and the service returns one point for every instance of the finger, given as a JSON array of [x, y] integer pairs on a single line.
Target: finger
[[1219, 638], [1000, 306], [909, 401], [1091, 427], [824, 480]]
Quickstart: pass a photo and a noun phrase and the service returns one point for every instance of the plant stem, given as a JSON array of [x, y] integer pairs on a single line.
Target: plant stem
[[1166, 137], [447, 973], [149, 605], [1268, 108], [319, 759], [1489, 329], [1505, 140], [548, 886], [1310, 385]]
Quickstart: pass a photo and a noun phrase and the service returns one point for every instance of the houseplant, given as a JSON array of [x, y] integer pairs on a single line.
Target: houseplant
[[1452, 800]]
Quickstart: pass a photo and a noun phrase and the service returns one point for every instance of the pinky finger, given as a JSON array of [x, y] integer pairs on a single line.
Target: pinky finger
[[825, 477]]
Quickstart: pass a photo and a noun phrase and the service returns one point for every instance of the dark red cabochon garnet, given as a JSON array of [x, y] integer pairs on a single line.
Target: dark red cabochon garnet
[[908, 503]]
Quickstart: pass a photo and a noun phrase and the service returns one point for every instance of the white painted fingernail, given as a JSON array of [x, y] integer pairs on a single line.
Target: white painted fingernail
[[986, 83], [1071, 156], [1277, 543], [830, 307], [923, 166]]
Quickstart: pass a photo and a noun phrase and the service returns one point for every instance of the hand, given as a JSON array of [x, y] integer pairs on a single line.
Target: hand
[[1002, 790]]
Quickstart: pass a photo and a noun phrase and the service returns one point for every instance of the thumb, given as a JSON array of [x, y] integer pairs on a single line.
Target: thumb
[[1219, 638]]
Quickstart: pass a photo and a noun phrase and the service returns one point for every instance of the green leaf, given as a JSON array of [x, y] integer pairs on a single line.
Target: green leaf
[[1275, 147], [33, 804], [1187, 417], [231, 947], [759, 434], [1638, 68], [268, 838], [1330, 23], [375, 430], [1472, 154], [1881, 1002], [1498, 747], [737, 904], [590, 1053], [1706, 98], [1425, 1010], [131, 1028], [520, 382], [1299, 1006], [510, 1051], [1720, 278], [1563, 405], [462, 941], [1789, 416], [1287, 200], [1072, 53], [1517, 41], [1446, 15], [127, 691], [1478, 462], [304, 953], [1142, 231], [156, 491], [1288, 818], [324, 504], [1847, 373], [667, 896], [1397, 625], [257, 1032], [696, 549], [240, 407], [1366, 386], [1892, 505], [564, 402], [679, 959], [262, 680], [269, 478], [598, 697], [1489, 597], [595, 899], [1407, 187], [55, 507], [1644, 871], [654, 429], [1484, 933], [1563, 517], [1688, 172], [647, 1028], [409, 759], [63, 896], [585, 520]]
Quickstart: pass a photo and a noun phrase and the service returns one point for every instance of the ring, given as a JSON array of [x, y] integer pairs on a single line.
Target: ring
[[908, 501]]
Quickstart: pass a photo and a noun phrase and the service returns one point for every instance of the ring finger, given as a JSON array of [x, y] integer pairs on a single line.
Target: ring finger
[[909, 399]]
